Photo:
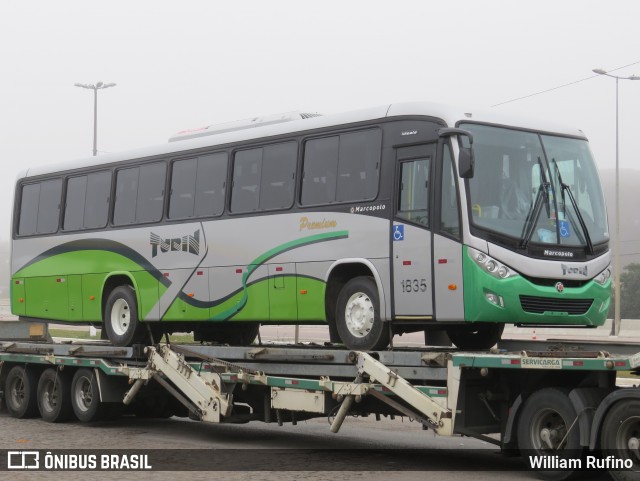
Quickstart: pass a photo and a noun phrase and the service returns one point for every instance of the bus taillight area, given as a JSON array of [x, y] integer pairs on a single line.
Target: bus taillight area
[[526, 300]]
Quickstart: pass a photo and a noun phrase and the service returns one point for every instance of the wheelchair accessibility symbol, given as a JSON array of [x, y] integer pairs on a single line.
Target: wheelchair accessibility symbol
[[398, 233], [564, 229]]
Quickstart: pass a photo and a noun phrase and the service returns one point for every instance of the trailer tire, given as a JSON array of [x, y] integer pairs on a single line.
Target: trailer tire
[[20, 392], [621, 428], [85, 396], [358, 316], [121, 317], [475, 336], [549, 413], [54, 391]]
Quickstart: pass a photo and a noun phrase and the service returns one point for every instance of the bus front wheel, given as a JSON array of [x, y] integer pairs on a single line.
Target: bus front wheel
[[358, 316], [121, 317]]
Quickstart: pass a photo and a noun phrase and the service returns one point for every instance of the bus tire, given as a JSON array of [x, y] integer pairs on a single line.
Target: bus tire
[[476, 336], [20, 392], [54, 390], [546, 418], [620, 435], [358, 316], [121, 317], [85, 396]]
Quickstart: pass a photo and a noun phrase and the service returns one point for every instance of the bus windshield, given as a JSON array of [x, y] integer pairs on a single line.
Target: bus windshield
[[515, 170]]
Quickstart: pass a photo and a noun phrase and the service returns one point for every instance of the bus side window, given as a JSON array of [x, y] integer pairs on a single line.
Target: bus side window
[[320, 168], [96, 210], [278, 174], [245, 191], [358, 166], [29, 209], [183, 184], [210, 185], [124, 211], [139, 194]]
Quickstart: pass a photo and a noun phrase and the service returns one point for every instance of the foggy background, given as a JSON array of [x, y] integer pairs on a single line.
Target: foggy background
[[181, 65]]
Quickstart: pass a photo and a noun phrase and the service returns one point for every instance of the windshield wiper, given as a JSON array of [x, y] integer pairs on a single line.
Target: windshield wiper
[[542, 196], [564, 187]]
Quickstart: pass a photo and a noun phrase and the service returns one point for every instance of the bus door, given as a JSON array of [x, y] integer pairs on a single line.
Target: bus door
[[410, 233], [447, 245]]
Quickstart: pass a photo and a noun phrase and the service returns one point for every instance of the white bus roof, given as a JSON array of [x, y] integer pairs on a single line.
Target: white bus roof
[[449, 114]]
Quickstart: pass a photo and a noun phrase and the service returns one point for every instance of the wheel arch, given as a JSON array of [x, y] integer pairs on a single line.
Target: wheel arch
[[116, 279], [604, 407], [341, 271]]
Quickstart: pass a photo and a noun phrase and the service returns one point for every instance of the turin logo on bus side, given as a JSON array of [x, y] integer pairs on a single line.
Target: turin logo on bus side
[[187, 243]]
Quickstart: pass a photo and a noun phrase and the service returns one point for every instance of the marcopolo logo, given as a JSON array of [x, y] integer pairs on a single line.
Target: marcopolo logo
[[555, 253], [187, 243]]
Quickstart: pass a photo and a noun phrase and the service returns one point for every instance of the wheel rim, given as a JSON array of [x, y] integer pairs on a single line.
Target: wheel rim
[[548, 430], [628, 438], [120, 317], [359, 314], [84, 393], [49, 396], [17, 391]]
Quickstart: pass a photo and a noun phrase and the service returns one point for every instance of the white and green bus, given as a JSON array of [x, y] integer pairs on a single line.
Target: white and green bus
[[403, 218]]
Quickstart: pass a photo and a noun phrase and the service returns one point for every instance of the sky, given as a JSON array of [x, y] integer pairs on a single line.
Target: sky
[[192, 63]]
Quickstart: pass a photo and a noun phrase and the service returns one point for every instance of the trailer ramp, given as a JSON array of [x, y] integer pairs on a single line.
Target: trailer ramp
[[202, 392], [415, 403]]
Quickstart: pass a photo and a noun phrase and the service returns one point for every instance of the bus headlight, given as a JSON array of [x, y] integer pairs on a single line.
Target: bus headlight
[[604, 276], [492, 266]]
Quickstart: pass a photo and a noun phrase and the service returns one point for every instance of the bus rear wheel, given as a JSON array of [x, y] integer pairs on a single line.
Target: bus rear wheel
[[358, 316], [476, 336], [121, 317]]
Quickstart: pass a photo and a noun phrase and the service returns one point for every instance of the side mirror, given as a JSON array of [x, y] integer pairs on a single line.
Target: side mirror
[[466, 161]]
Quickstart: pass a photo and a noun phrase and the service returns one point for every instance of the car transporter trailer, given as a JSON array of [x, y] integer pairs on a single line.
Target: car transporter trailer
[[541, 399]]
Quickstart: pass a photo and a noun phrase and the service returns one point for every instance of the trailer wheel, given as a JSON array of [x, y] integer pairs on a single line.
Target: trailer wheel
[[85, 396], [620, 437], [121, 317], [20, 391], [546, 428], [476, 336], [53, 396], [358, 316]]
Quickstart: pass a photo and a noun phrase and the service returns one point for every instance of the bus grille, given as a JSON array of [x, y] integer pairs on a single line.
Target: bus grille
[[539, 305]]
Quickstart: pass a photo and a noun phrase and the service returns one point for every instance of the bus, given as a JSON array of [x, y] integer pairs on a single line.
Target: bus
[[402, 218]]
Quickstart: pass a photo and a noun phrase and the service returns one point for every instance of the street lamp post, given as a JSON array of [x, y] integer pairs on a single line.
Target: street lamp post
[[615, 327], [95, 88]]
